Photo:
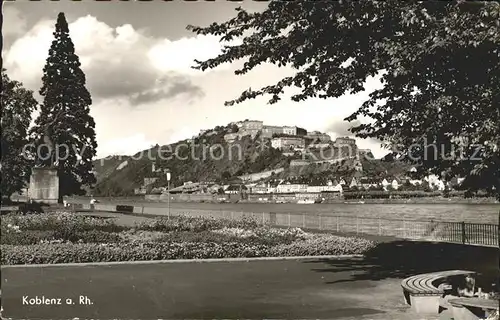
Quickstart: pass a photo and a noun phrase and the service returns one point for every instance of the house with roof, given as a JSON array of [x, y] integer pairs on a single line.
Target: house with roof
[[395, 184], [235, 189], [385, 184], [338, 188], [415, 182], [318, 137], [270, 131], [259, 188], [291, 188], [231, 137], [288, 143], [354, 183], [435, 182], [367, 183]]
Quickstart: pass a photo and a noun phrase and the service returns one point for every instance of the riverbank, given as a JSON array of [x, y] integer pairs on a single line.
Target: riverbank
[[427, 200], [265, 199]]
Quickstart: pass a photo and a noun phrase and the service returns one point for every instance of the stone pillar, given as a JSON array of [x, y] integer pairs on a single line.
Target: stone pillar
[[44, 185]]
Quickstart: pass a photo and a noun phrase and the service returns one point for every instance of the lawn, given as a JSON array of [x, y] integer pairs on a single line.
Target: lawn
[[61, 237]]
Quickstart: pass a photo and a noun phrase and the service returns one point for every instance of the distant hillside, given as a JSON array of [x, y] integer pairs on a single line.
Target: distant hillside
[[381, 168], [120, 175], [107, 166]]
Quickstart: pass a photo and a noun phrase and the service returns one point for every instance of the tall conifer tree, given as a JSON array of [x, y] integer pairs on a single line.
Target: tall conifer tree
[[65, 115]]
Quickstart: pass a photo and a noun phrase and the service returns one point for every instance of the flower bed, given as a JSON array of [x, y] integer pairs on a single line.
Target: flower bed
[[66, 238]]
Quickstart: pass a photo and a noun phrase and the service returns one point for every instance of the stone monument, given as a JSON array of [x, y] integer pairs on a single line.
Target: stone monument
[[44, 185], [44, 179]]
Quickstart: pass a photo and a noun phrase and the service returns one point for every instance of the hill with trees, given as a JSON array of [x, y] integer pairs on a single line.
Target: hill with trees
[[192, 160], [205, 158]]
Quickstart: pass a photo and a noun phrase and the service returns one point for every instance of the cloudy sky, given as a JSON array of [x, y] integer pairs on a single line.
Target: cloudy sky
[[137, 58]]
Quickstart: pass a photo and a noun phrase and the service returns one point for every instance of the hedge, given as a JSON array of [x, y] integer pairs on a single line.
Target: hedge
[[36, 236], [70, 223], [92, 252]]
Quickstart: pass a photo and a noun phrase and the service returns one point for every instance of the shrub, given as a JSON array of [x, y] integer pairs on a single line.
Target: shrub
[[195, 224], [90, 252], [135, 251], [140, 236], [37, 236], [27, 208], [266, 235], [196, 237], [189, 236], [90, 236], [26, 237], [323, 245]]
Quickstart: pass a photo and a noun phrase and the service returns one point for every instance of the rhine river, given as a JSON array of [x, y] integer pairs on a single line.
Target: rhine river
[[478, 213]]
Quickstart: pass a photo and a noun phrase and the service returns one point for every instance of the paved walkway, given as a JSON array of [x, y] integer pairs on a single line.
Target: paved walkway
[[257, 289]]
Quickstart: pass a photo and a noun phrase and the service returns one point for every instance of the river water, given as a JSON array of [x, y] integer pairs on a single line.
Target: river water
[[478, 213]]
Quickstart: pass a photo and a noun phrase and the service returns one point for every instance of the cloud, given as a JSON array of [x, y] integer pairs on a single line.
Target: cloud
[[176, 88], [145, 91], [14, 23], [341, 127], [118, 62], [125, 146], [179, 55]]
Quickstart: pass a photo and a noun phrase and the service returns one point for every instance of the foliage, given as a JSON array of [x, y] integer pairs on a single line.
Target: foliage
[[323, 245], [16, 108], [65, 238], [198, 224], [29, 237], [60, 221], [135, 251], [65, 96], [438, 61], [111, 188], [226, 175], [66, 253], [266, 159]]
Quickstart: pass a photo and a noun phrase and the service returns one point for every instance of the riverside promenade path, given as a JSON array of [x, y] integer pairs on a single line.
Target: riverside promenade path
[[255, 289]]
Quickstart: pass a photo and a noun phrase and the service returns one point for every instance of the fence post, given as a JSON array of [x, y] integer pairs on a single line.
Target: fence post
[[463, 232], [142, 210], [263, 218], [232, 215]]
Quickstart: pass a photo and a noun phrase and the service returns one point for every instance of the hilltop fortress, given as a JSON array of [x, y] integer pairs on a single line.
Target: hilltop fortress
[[292, 140]]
